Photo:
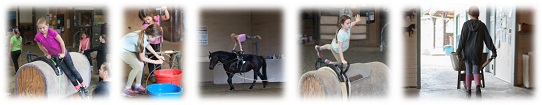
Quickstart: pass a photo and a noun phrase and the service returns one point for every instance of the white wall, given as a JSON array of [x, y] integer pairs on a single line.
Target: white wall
[[25, 14]]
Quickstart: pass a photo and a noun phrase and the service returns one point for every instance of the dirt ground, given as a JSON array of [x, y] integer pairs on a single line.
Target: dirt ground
[[439, 81], [273, 89], [352, 55], [35, 49]]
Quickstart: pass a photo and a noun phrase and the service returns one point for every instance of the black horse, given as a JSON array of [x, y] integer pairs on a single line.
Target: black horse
[[229, 61]]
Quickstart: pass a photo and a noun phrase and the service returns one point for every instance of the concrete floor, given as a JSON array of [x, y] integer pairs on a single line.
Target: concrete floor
[[273, 89], [166, 45], [352, 55], [35, 49], [439, 81]]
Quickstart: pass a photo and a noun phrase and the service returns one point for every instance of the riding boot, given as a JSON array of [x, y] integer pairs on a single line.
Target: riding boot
[[468, 94], [478, 92]]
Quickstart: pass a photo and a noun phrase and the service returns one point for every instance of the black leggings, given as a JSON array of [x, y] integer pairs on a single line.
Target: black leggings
[[72, 73], [87, 54], [15, 58], [151, 66]]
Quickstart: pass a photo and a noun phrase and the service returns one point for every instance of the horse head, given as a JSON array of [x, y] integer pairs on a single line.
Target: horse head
[[213, 60]]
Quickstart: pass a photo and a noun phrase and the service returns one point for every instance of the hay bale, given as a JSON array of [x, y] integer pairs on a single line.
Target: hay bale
[[38, 79], [323, 83]]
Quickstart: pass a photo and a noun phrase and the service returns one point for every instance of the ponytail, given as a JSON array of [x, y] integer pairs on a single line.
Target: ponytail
[[337, 32]]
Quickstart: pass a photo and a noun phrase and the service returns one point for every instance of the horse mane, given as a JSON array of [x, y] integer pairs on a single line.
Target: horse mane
[[232, 55]]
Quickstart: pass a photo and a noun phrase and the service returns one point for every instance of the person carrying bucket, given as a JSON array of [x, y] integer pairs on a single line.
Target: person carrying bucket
[[470, 48], [148, 17], [134, 43], [341, 41], [51, 44]]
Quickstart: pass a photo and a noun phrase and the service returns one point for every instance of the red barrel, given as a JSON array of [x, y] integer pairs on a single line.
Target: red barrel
[[169, 76]]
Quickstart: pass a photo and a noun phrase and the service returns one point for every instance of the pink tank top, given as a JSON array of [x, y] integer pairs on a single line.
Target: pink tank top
[[157, 41], [242, 38], [84, 44]]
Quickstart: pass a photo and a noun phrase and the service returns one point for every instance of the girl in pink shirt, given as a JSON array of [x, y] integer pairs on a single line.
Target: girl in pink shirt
[[239, 39], [84, 45], [51, 44]]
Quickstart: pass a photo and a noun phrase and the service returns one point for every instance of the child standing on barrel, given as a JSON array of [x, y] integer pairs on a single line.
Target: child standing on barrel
[[470, 48], [341, 41], [134, 43], [148, 17], [51, 44]]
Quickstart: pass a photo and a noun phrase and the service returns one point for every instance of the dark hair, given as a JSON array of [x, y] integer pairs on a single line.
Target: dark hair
[[144, 13], [474, 11], [106, 67], [16, 31], [83, 32], [342, 19], [153, 30], [103, 37]]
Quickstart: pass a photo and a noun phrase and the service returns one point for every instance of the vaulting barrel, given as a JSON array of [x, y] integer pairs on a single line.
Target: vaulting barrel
[[366, 80], [38, 79]]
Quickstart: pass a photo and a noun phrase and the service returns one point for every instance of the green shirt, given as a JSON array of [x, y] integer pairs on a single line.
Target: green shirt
[[16, 43]]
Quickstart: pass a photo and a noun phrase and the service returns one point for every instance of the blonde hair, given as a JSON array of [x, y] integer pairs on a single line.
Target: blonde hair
[[153, 29], [343, 19], [42, 20], [234, 37]]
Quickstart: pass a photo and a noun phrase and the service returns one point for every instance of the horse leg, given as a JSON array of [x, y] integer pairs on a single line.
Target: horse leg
[[230, 76], [264, 80], [254, 81]]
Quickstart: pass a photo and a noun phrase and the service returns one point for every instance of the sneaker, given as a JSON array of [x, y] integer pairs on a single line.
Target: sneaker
[[129, 93], [85, 90], [139, 89], [327, 61], [318, 51], [81, 93]]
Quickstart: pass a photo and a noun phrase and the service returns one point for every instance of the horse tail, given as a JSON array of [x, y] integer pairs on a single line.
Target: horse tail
[[264, 68]]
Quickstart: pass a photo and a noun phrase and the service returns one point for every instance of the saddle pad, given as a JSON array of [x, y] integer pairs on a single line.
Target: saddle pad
[[358, 71]]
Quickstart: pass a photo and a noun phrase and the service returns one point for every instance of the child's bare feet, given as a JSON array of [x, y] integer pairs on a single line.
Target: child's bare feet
[[318, 51], [259, 37]]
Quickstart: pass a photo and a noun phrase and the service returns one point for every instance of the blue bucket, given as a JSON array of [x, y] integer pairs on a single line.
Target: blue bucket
[[165, 91]]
